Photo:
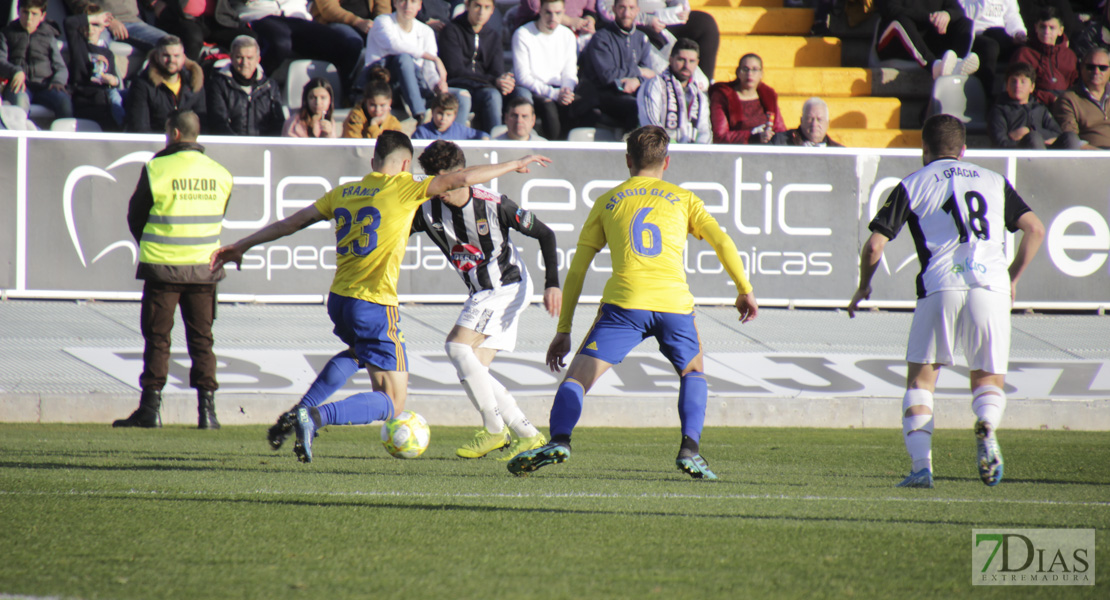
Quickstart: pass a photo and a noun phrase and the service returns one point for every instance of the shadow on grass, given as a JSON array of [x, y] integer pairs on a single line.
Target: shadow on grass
[[636, 514]]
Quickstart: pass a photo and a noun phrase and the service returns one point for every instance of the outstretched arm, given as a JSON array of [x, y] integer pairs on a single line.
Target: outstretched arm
[[868, 261], [1032, 234], [576, 274], [233, 253], [482, 173]]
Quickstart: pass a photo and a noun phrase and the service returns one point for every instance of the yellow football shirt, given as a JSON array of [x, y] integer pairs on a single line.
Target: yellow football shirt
[[372, 221], [645, 221]]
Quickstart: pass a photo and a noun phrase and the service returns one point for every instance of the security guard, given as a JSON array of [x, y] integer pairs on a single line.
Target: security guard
[[176, 215]]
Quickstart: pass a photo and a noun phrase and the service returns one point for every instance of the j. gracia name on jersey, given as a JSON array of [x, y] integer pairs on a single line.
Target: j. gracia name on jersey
[[957, 171]]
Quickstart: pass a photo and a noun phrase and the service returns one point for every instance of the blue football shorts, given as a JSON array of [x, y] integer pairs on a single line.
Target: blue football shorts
[[373, 331], [618, 330]]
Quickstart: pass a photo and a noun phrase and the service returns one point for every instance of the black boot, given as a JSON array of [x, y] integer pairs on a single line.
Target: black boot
[[147, 414], [206, 410]]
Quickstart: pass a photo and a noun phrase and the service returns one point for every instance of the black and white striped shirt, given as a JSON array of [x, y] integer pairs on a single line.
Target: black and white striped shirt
[[475, 238]]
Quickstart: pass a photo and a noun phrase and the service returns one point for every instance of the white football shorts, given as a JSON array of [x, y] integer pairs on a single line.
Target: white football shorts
[[496, 313], [977, 319]]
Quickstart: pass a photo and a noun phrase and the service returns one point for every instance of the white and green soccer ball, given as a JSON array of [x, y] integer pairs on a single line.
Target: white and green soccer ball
[[406, 436]]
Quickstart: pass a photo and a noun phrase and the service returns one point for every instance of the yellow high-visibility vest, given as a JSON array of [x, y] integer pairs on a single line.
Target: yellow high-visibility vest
[[190, 196]]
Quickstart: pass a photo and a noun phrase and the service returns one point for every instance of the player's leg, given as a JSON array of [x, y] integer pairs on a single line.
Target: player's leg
[[680, 343], [614, 334], [331, 378], [379, 344], [930, 346], [917, 422], [478, 384], [985, 334]]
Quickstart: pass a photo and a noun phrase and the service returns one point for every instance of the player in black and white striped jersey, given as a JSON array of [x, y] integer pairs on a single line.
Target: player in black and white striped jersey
[[471, 227], [958, 214]]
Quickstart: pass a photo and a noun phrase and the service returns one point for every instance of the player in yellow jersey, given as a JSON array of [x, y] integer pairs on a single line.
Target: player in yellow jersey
[[373, 218], [644, 221]]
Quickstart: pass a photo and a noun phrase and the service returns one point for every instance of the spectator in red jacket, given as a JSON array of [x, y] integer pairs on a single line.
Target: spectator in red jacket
[[1050, 55], [745, 111]]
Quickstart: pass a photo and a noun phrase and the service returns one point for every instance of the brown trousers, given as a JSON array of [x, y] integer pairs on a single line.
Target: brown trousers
[[198, 310]]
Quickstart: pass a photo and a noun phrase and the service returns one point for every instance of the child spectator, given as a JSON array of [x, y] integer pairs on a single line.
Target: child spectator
[[445, 107], [407, 48], [92, 70], [31, 62], [374, 114], [1019, 121], [745, 111], [1050, 55], [314, 119]]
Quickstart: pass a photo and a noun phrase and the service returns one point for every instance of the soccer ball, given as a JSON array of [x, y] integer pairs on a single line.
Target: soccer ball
[[406, 436]]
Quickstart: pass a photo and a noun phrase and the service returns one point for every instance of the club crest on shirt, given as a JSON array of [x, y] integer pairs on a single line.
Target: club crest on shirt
[[524, 218], [483, 227], [465, 257]]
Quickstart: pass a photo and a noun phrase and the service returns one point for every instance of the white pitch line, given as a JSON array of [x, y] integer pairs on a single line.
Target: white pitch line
[[521, 495]]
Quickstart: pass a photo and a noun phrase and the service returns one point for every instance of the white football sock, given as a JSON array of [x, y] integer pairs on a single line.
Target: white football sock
[[512, 414], [989, 403], [917, 430], [478, 384]]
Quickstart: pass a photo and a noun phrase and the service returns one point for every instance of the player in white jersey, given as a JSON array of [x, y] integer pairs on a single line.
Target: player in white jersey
[[958, 214], [471, 227]]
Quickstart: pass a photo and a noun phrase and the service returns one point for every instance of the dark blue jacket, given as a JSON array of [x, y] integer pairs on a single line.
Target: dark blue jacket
[[1007, 115], [471, 63], [614, 54]]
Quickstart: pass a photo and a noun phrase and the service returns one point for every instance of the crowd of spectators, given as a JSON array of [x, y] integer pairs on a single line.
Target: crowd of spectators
[[462, 70]]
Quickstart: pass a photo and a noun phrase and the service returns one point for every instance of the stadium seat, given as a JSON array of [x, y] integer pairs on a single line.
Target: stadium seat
[[962, 97], [301, 71], [582, 134], [75, 125], [40, 115], [496, 131]]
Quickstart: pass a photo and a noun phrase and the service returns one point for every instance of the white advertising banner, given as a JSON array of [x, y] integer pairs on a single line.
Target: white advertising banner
[[797, 216]]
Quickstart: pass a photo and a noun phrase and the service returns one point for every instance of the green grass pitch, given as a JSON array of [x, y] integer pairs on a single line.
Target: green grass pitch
[[92, 512]]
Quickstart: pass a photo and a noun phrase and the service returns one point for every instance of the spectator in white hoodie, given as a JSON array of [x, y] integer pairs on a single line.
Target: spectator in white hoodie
[[545, 64], [998, 32]]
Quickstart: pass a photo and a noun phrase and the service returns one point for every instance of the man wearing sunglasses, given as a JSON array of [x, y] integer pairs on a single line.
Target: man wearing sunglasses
[[1085, 108]]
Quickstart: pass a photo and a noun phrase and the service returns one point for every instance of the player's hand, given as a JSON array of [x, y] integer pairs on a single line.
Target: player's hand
[[863, 293], [224, 255], [747, 306], [557, 351], [522, 163], [553, 301]]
